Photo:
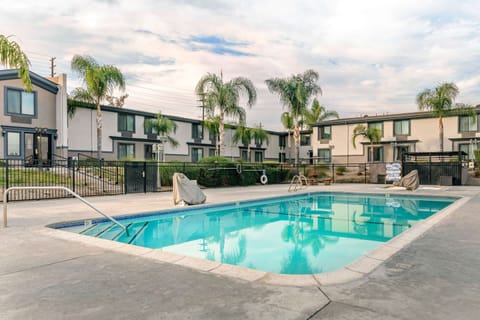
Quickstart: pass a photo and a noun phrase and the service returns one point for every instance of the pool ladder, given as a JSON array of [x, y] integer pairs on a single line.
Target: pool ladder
[[298, 182], [5, 200]]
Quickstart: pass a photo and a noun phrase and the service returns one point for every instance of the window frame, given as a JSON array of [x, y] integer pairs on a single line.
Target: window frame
[[373, 125], [148, 130], [261, 156], [119, 122], [476, 124], [329, 154], [395, 134], [21, 114], [374, 153], [321, 133], [307, 137], [20, 141], [196, 128], [195, 157], [125, 145]]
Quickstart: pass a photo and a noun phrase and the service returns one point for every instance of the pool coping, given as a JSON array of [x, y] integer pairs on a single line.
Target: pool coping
[[356, 270]]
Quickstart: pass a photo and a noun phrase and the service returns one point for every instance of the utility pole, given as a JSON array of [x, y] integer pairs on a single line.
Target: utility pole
[[52, 66]]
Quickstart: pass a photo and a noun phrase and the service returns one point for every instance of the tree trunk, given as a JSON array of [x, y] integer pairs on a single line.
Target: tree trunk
[[296, 138], [99, 131], [221, 133], [440, 133]]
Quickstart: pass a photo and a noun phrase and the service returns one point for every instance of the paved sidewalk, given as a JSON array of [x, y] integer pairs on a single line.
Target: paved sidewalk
[[43, 277]]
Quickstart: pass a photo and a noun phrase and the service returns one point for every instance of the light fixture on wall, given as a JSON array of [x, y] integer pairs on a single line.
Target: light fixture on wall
[[4, 132]]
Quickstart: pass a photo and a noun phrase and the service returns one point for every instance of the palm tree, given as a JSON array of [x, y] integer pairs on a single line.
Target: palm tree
[[295, 93], [244, 135], [373, 135], [441, 102], [224, 98], [12, 56], [259, 135], [212, 123], [287, 121], [163, 126], [317, 114], [100, 81]]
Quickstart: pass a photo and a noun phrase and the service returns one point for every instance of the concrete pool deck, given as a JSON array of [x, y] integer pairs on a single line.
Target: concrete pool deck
[[46, 277]]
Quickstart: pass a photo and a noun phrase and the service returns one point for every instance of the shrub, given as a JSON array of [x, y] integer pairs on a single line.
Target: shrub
[[341, 170]]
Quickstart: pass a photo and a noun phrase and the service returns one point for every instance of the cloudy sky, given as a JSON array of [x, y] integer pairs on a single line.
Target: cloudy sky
[[373, 57]]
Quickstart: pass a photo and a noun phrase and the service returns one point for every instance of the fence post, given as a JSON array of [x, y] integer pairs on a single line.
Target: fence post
[[333, 173], [365, 173], [73, 175]]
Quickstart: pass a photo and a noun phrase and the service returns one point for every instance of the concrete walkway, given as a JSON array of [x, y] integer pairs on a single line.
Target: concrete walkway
[[42, 277]]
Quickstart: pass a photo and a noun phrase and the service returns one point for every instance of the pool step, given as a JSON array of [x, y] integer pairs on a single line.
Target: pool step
[[93, 229], [134, 230]]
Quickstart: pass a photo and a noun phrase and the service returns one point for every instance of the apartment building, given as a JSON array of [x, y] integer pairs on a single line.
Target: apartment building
[[33, 124], [125, 137], [404, 132]]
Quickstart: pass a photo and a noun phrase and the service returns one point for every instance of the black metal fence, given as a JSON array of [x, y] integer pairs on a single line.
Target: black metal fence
[[91, 177]]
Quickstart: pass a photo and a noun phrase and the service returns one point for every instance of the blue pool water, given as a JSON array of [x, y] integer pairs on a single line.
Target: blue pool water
[[301, 234]]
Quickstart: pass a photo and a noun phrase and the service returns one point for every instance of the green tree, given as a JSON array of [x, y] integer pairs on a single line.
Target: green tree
[[373, 135], [100, 82], [259, 135], [244, 135], [295, 93], [316, 114], [222, 99], [12, 56], [212, 123], [441, 102], [163, 126]]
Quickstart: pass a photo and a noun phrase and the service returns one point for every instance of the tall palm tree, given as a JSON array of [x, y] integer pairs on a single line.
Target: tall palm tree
[[212, 123], [373, 135], [441, 102], [317, 114], [222, 99], [163, 126], [287, 121], [100, 82], [295, 93], [12, 56]]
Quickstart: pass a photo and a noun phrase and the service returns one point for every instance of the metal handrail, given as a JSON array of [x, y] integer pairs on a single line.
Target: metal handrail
[[296, 181], [5, 194]]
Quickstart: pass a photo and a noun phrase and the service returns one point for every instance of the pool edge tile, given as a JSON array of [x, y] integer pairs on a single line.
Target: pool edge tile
[[239, 272], [163, 256], [364, 265], [342, 275], [198, 264], [293, 280]]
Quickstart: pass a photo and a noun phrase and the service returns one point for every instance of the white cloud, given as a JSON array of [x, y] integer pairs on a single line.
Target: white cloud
[[372, 56]]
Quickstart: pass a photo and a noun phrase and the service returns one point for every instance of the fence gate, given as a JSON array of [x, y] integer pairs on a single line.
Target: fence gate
[[140, 177]]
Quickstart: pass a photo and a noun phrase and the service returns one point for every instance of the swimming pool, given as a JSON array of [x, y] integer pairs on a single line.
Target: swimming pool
[[300, 234]]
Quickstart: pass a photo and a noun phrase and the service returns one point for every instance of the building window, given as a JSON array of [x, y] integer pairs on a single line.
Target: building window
[[258, 156], [197, 154], [197, 131], [401, 128], [325, 133], [469, 149], [20, 102], [399, 151], [13, 144], [377, 154], [126, 122], [126, 151], [305, 140], [244, 155], [211, 152], [324, 155], [212, 136], [467, 124], [282, 157], [148, 152], [376, 125], [148, 129], [282, 141]]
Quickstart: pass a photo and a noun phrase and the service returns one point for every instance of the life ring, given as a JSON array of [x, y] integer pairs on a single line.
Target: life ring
[[239, 168], [263, 179]]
